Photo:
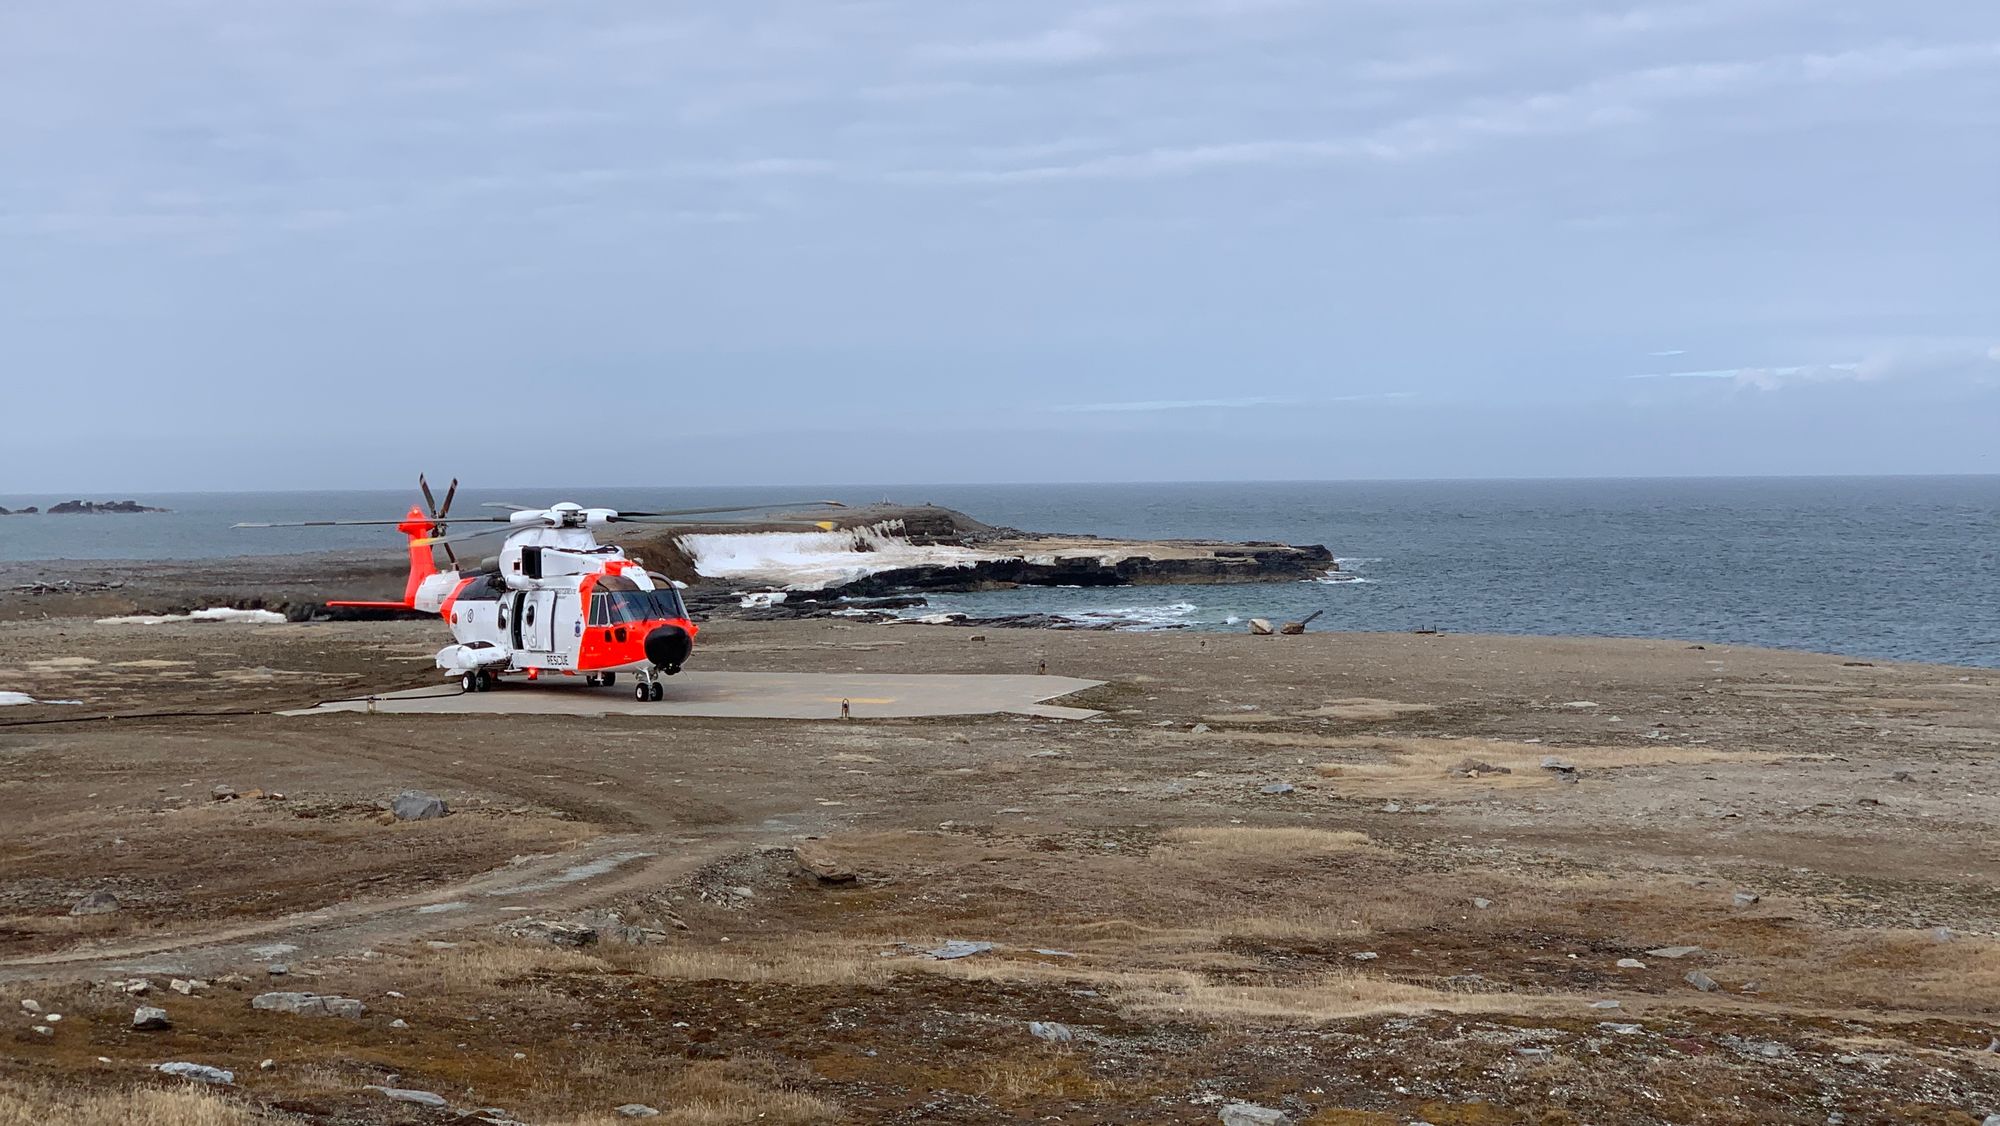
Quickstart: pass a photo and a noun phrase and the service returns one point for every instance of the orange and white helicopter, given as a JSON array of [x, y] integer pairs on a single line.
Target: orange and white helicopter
[[554, 601]]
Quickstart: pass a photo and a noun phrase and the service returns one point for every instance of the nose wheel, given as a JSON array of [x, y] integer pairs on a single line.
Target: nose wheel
[[648, 691], [478, 681]]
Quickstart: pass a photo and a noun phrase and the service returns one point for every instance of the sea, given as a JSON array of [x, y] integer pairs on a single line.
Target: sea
[[1902, 568]]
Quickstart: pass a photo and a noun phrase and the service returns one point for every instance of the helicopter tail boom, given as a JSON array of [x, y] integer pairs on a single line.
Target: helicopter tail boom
[[418, 528]]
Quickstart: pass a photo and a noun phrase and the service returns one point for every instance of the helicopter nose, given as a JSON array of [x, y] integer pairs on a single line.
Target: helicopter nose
[[668, 647]]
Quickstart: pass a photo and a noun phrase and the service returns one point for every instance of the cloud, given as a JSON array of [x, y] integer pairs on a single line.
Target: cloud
[[1669, 352], [1166, 405], [1148, 405], [1895, 364], [1618, 101]]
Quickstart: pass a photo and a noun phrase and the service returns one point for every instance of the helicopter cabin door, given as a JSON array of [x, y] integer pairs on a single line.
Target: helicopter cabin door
[[537, 620]]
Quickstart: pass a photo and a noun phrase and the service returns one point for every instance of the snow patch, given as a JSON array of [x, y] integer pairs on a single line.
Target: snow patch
[[817, 560], [212, 614], [15, 699], [762, 599]]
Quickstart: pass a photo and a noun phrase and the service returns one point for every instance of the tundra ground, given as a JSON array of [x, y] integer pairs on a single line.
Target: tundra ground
[[1327, 874]]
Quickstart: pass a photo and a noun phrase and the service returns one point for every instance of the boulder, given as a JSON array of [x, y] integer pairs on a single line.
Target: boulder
[[958, 948], [309, 1005], [822, 865], [146, 1018], [405, 1095], [1701, 981], [638, 1110], [416, 805], [1250, 1114], [201, 1073], [552, 931], [99, 902], [1745, 899], [1262, 628], [1050, 1030]]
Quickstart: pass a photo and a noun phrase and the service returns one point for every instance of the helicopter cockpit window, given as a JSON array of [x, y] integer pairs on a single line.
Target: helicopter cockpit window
[[486, 587], [619, 601]]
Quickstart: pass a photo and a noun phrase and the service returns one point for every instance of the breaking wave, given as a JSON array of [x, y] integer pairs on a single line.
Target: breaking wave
[[1135, 618]]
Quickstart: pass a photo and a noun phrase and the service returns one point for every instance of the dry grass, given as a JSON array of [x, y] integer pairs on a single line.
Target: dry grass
[[794, 963], [1367, 708], [1401, 764], [41, 1104], [483, 965], [1222, 842], [1341, 995], [709, 1093]]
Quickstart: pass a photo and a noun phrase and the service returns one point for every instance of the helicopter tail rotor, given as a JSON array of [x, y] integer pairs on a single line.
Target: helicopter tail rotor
[[438, 514]]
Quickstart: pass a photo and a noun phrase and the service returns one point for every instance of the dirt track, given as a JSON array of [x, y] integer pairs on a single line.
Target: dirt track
[[1205, 930]]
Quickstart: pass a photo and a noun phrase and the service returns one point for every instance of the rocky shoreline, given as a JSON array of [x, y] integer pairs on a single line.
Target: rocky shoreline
[[944, 552]]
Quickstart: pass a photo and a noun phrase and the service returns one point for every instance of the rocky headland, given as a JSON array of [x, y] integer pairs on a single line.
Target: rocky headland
[[84, 508]]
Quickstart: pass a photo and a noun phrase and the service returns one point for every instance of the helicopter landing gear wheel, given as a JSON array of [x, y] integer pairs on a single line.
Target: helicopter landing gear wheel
[[657, 691], [482, 681], [608, 679], [642, 692]]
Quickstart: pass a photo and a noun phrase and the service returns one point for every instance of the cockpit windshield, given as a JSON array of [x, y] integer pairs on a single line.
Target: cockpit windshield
[[619, 601]]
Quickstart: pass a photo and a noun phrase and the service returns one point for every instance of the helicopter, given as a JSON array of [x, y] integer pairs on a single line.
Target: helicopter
[[554, 601]]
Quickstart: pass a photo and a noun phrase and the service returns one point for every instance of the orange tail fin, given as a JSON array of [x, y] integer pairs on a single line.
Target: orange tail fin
[[423, 564]]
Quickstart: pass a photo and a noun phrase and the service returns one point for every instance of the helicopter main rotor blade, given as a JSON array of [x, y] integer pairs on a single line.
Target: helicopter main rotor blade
[[740, 508], [315, 523], [621, 518], [430, 502], [449, 492], [459, 538], [508, 507]]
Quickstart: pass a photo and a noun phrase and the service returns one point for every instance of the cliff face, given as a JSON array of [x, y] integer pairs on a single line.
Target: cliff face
[[1192, 564]]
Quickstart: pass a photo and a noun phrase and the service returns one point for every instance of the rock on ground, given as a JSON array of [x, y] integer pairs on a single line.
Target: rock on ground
[[99, 902], [1050, 1030], [405, 1095], [309, 1005], [638, 1110], [416, 805], [552, 931], [1701, 981], [1250, 1114], [199, 1072], [146, 1018], [823, 865]]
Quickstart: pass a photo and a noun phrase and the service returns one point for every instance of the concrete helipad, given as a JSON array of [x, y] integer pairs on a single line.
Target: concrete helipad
[[746, 695]]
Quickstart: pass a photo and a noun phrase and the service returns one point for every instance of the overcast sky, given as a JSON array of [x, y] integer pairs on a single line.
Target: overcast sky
[[246, 243]]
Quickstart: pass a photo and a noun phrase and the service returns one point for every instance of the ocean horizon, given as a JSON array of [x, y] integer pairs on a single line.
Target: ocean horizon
[[1894, 567]]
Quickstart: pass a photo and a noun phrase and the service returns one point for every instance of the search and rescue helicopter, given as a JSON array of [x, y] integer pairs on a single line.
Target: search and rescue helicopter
[[554, 601]]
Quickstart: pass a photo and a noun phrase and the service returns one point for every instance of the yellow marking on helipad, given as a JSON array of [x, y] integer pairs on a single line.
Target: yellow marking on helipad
[[745, 695]]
